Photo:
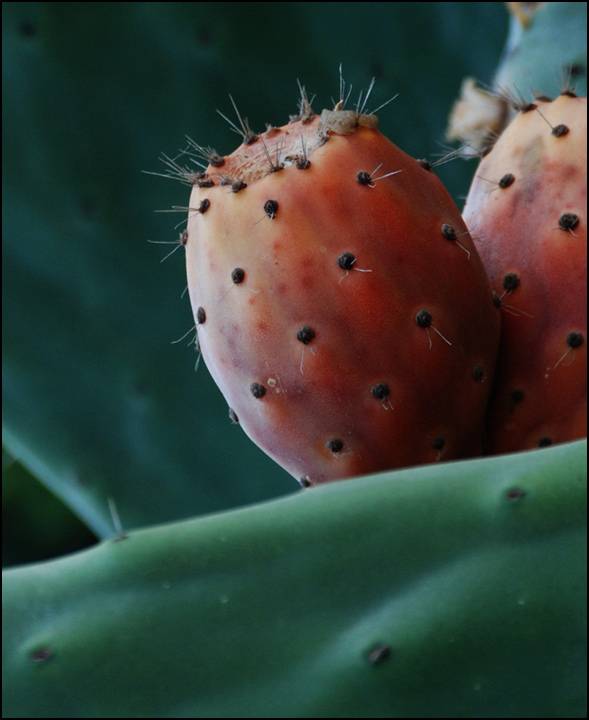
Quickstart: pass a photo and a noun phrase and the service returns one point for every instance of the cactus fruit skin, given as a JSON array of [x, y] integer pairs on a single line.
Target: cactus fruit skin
[[470, 575], [528, 208], [341, 305]]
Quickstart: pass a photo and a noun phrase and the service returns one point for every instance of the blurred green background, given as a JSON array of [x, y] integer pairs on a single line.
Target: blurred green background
[[97, 401]]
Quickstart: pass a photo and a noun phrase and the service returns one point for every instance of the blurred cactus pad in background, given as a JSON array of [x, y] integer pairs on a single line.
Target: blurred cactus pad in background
[[215, 587]]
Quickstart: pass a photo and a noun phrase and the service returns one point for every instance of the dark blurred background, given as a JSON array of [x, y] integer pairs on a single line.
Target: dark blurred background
[[97, 401]]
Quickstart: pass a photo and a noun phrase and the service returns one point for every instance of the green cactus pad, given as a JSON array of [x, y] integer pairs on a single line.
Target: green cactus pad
[[456, 590], [546, 51]]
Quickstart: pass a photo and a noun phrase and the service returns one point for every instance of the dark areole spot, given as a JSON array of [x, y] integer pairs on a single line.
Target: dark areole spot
[[257, 390], [507, 180], [335, 445], [380, 391], [346, 261], [305, 334]]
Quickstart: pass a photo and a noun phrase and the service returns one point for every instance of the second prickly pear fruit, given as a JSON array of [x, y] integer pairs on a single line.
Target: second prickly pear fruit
[[527, 210]]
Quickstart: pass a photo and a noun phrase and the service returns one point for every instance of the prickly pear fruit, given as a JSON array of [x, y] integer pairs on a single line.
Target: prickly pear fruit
[[340, 303], [527, 208]]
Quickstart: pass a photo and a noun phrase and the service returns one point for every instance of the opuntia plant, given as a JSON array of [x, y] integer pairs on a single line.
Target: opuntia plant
[[454, 589], [527, 210], [340, 303]]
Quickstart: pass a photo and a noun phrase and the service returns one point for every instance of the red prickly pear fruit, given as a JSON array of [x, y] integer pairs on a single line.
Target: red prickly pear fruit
[[527, 208], [341, 305]]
